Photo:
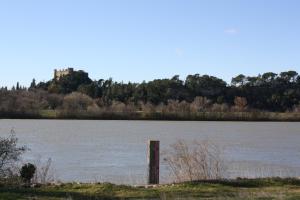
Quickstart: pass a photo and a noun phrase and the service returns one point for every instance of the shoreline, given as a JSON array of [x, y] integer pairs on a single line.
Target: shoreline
[[156, 116], [241, 188]]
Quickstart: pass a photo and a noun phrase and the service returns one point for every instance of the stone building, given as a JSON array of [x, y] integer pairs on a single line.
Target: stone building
[[60, 73], [64, 72]]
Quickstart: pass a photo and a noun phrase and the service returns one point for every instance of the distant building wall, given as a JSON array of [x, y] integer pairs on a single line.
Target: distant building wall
[[60, 73]]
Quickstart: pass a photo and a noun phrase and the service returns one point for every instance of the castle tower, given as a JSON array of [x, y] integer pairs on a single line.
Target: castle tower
[[64, 72]]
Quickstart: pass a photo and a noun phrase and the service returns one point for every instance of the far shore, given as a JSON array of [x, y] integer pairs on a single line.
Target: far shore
[[159, 116]]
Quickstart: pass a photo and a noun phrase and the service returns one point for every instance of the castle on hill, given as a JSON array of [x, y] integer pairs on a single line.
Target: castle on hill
[[64, 72]]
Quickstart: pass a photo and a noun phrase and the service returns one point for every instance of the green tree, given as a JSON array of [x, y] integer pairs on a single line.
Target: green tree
[[18, 86], [269, 77], [33, 84], [238, 80], [289, 76]]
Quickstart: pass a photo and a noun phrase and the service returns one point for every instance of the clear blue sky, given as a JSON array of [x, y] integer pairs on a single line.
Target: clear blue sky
[[140, 40]]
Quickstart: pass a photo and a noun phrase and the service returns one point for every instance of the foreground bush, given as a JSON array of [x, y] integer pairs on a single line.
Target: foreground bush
[[27, 172], [201, 160]]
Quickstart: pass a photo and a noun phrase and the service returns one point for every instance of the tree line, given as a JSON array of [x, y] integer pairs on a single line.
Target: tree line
[[267, 92]]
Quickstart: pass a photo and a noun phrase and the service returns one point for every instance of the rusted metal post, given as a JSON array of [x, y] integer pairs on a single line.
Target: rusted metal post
[[153, 162]]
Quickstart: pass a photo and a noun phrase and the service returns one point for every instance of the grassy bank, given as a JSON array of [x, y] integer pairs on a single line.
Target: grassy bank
[[268, 188], [200, 116]]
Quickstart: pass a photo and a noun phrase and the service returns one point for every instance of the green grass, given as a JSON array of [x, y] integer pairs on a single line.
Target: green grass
[[272, 188]]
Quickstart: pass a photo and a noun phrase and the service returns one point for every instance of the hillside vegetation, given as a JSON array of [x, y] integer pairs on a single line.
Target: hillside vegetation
[[268, 96]]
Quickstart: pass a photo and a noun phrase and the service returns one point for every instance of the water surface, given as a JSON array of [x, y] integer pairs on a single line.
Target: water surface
[[115, 151]]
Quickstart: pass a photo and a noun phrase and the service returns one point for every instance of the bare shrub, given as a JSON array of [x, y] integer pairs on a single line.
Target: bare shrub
[[220, 107], [147, 107], [200, 160], [77, 102], [171, 106], [100, 103], [23, 101], [44, 171], [94, 108], [175, 106], [130, 108], [117, 106], [160, 107], [240, 103], [296, 108], [183, 107], [199, 104]]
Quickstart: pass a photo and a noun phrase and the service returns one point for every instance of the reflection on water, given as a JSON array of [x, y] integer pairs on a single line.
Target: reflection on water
[[115, 151]]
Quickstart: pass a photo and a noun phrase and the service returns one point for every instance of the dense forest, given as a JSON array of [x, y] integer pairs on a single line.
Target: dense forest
[[76, 92]]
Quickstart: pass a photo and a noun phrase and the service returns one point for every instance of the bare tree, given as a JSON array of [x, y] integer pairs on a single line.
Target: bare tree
[[200, 160], [10, 153]]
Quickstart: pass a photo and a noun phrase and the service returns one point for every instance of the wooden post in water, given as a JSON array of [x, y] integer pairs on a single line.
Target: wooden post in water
[[153, 162]]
